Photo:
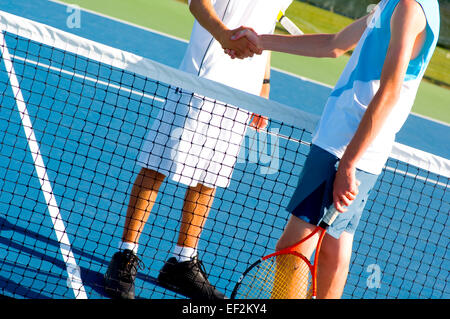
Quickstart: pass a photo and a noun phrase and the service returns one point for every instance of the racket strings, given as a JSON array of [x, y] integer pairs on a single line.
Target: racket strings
[[293, 278], [281, 277]]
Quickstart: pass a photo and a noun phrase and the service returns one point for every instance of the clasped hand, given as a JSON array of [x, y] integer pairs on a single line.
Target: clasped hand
[[241, 43]]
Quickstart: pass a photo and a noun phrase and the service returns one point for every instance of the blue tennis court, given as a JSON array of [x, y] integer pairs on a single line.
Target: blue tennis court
[[88, 120]]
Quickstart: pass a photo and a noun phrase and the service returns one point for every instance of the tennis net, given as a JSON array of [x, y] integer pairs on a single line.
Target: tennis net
[[74, 116]]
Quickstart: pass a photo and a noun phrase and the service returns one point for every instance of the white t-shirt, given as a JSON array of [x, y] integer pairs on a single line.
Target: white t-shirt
[[206, 58], [194, 140]]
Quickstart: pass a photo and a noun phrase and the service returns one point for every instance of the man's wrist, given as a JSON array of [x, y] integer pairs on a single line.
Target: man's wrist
[[347, 164], [222, 35]]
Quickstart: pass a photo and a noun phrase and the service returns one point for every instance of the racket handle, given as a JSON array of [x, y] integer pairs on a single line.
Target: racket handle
[[329, 217], [288, 24]]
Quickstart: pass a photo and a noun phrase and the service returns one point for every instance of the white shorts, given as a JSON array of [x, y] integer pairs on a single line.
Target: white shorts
[[194, 140]]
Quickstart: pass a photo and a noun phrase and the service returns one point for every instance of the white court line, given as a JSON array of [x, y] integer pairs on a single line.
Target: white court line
[[73, 271], [90, 79]]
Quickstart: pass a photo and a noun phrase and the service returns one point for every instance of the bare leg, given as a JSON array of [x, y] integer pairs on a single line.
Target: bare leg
[[334, 257], [197, 204], [142, 199], [295, 230], [183, 270], [289, 270], [334, 261]]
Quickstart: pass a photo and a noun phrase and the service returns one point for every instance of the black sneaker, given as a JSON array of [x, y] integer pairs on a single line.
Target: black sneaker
[[121, 274], [189, 279]]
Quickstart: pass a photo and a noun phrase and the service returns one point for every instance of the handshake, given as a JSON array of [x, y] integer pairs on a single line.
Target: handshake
[[241, 43]]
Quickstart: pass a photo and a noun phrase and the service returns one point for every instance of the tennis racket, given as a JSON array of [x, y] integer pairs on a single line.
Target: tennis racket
[[285, 274], [288, 24]]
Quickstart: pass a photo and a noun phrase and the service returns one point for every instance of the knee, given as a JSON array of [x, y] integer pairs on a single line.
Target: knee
[[295, 230], [285, 241], [334, 263], [336, 259]]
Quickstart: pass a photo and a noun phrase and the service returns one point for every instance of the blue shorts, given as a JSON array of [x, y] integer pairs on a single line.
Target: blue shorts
[[314, 193]]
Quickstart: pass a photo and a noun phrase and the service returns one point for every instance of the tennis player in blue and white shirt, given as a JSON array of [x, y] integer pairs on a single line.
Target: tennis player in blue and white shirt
[[369, 104]]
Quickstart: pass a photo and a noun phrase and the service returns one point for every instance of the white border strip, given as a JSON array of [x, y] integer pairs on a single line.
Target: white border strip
[[124, 60], [430, 162], [74, 277]]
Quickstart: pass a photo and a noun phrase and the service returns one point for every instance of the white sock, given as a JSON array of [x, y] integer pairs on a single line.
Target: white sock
[[182, 253], [130, 246]]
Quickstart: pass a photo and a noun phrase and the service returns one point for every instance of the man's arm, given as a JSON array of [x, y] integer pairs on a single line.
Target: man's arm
[[408, 25], [205, 14], [313, 45]]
